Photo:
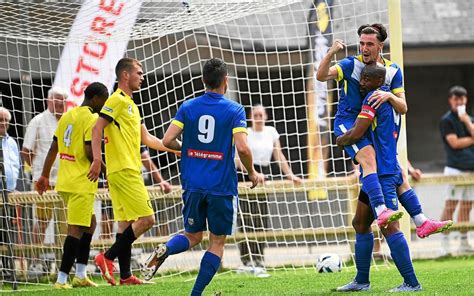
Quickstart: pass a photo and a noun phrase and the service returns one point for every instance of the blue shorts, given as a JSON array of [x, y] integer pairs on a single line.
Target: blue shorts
[[220, 212], [389, 184], [342, 126]]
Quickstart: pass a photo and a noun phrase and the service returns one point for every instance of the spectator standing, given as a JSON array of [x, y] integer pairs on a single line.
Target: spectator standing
[[457, 132], [264, 141], [38, 138], [10, 159]]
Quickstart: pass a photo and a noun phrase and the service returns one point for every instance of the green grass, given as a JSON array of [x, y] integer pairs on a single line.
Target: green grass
[[448, 276]]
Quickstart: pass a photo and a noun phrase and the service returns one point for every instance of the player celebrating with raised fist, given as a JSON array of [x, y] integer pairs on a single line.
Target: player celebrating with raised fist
[[362, 151], [347, 71], [72, 140], [384, 136], [210, 125]]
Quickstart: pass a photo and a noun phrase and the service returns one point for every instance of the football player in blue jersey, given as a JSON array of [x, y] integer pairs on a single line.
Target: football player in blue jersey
[[382, 127], [212, 127], [347, 71]]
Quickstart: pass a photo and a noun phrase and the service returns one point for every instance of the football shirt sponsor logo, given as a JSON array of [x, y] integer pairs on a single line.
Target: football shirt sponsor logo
[[108, 109], [205, 154], [67, 157]]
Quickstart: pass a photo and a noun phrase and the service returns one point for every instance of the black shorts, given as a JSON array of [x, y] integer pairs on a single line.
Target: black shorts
[[364, 198]]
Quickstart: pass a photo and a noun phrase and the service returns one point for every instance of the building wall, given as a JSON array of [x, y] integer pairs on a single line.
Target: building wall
[[426, 90]]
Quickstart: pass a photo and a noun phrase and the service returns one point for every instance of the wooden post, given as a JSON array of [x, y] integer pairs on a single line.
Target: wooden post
[[396, 56]]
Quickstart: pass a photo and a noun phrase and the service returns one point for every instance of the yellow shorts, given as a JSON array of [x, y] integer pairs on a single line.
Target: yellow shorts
[[130, 199], [80, 207]]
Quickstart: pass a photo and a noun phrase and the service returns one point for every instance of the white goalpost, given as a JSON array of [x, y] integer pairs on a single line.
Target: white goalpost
[[271, 49]]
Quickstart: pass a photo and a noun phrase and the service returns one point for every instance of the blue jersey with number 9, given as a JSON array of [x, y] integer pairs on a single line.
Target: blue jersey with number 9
[[209, 123]]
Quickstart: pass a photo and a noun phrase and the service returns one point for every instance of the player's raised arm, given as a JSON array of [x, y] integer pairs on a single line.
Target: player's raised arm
[[245, 155], [153, 142], [97, 132], [325, 72], [43, 182]]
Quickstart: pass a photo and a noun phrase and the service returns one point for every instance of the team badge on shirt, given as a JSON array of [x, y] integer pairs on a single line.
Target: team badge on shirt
[[130, 110]]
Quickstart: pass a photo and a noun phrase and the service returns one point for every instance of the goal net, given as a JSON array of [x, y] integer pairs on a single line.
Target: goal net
[[271, 48]]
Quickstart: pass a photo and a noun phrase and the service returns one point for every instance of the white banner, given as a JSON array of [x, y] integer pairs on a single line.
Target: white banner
[[97, 40]]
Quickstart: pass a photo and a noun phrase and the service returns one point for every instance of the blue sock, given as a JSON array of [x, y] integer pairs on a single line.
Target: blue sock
[[363, 255], [401, 256], [371, 186], [410, 202], [209, 265], [177, 244]]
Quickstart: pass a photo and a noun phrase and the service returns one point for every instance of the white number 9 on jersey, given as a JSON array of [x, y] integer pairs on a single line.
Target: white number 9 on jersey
[[206, 127]]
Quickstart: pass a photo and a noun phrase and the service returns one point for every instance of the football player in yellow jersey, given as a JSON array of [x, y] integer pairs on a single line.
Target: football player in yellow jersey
[[72, 140], [120, 122]]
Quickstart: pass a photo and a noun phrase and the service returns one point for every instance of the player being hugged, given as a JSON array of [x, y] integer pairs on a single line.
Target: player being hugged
[[120, 122], [210, 125], [72, 140], [381, 127], [347, 71]]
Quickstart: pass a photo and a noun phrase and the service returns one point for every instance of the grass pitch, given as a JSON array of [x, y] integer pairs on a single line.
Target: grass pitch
[[448, 276]]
